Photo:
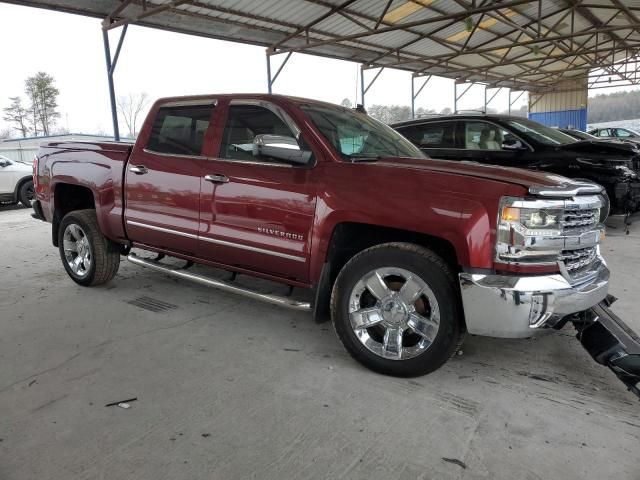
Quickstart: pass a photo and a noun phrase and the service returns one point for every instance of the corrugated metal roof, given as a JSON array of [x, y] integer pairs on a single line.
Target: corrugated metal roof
[[525, 44]]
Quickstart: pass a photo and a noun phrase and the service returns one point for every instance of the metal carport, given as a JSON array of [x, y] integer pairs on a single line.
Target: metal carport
[[545, 47]]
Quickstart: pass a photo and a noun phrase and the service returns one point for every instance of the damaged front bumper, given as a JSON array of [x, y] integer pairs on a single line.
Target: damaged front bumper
[[610, 342], [512, 306]]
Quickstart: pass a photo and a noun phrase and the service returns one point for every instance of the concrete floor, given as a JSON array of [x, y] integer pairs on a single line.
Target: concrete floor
[[229, 388]]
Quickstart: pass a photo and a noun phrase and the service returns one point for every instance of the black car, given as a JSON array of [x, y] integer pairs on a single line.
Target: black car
[[577, 134], [519, 142]]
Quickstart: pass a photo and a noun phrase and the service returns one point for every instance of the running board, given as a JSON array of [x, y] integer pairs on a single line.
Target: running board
[[179, 272]]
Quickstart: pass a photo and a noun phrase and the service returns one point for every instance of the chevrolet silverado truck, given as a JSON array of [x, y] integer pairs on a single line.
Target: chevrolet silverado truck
[[403, 253]]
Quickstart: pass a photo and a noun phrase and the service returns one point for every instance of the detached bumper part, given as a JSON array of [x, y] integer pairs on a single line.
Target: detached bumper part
[[511, 306], [611, 343]]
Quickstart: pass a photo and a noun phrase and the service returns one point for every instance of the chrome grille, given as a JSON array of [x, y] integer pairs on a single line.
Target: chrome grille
[[578, 261], [580, 220]]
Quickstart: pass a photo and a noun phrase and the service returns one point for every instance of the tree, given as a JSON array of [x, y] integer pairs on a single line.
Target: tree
[[16, 114], [5, 134], [43, 95], [346, 103], [130, 107]]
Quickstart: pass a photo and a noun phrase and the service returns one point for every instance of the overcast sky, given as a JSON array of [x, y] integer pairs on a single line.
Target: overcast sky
[[70, 48]]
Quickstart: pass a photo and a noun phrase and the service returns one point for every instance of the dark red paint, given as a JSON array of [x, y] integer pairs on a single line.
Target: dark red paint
[[450, 200]]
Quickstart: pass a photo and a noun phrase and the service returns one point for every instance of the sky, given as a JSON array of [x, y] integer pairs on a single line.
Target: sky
[[159, 63]]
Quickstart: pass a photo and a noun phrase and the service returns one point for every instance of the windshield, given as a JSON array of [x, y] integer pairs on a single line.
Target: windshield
[[540, 133], [357, 136]]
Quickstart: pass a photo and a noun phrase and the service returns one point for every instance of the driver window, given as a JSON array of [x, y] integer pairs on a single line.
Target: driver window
[[485, 136], [604, 132], [244, 122]]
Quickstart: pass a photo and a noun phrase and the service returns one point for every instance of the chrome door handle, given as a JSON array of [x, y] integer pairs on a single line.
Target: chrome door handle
[[139, 169], [217, 178]]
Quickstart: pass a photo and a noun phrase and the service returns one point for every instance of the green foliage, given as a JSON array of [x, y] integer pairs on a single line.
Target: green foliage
[[614, 106]]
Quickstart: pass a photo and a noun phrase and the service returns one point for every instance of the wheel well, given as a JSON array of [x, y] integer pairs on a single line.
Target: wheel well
[[21, 182], [68, 198], [348, 239]]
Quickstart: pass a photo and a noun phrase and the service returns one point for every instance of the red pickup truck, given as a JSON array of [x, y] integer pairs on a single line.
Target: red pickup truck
[[404, 253]]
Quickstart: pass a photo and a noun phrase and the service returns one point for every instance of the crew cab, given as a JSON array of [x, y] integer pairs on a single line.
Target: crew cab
[[519, 142], [404, 253], [16, 182]]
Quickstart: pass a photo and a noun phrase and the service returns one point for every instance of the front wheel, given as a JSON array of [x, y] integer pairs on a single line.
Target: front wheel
[[88, 256], [396, 309]]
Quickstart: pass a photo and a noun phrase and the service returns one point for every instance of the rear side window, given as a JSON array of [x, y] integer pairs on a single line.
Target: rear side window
[[180, 129], [431, 135]]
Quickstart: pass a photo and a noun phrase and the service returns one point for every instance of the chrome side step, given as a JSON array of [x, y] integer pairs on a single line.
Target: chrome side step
[[219, 284]]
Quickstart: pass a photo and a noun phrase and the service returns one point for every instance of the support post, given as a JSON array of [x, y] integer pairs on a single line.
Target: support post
[[271, 80], [509, 110], [112, 92], [455, 97], [269, 73], [363, 89], [415, 94], [111, 67]]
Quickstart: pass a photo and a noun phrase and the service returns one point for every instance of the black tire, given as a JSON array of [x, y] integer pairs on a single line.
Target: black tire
[[435, 273], [26, 193], [104, 254]]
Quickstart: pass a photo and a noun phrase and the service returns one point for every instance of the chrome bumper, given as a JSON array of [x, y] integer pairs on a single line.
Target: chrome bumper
[[512, 306]]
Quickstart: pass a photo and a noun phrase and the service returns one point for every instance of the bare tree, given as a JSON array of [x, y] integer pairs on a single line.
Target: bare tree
[[5, 134], [130, 107], [16, 114], [43, 94]]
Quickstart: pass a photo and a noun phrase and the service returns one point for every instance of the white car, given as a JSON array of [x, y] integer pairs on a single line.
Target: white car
[[16, 182]]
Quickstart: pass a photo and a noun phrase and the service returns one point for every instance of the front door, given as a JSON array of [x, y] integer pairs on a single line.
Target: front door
[[257, 212], [162, 180], [485, 142]]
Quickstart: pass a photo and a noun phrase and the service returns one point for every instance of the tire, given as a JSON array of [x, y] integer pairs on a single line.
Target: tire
[[408, 272], [26, 193], [79, 236]]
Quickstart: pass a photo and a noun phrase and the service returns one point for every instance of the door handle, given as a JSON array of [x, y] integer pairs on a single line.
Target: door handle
[[139, 169], [217, 178]]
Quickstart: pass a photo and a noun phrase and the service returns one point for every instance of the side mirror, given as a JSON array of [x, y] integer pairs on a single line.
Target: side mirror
[[513, 145], [280, 147]]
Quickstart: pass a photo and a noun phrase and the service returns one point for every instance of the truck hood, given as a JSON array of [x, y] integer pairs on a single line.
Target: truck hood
[[602, 147], [528, 179]]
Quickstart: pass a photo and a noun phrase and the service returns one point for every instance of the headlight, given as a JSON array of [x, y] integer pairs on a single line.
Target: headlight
[[529, 231]]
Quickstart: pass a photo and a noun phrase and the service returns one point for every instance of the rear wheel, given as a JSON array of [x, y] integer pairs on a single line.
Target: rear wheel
[[396, 309], [88, 256], [26, 193]]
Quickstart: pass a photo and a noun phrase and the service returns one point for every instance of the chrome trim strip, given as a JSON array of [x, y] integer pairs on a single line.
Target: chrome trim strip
[[252, 162], [177, 155], [161, 229], [219, 284], [253, 249], [219, 242], [191, 103], [565, 191]]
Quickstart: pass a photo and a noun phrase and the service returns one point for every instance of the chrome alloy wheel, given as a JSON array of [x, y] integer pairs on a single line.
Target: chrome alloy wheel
[[76, 250], [394, 313]]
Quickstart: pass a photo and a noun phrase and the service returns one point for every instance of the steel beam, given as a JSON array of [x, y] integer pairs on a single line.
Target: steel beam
[[271, 80], [363, 89], [415, 94], [111, 66]]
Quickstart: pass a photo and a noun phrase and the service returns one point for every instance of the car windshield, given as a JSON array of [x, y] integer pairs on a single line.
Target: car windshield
[[357, 136], [540, 133]]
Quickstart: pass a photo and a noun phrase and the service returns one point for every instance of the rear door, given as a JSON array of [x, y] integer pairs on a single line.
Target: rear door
[[162, 178], [257, 213], [436, 139]]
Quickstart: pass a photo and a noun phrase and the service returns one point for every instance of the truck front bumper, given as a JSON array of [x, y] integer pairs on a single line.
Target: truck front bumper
[[511, 306]]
